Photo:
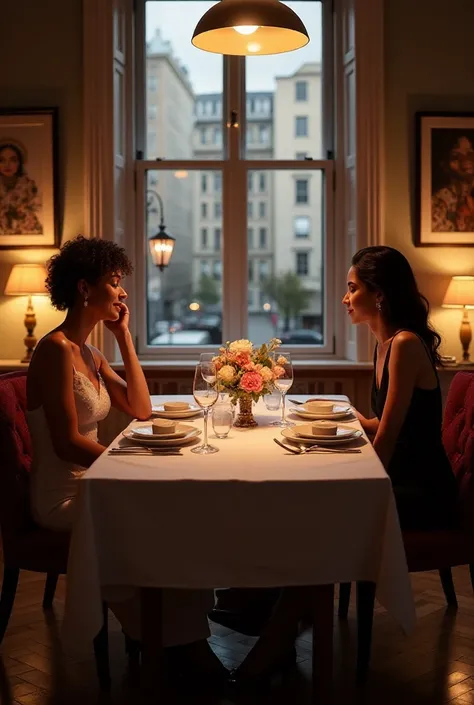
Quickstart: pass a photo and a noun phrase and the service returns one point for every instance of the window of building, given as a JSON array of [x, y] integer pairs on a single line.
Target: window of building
[[217, 270], [301, 91], [152, 83], [217, 162], [263, 269], [302, 226], [302, 264], [301, 155], [152, 112], [301, 191], [250, 244], [301, 126]]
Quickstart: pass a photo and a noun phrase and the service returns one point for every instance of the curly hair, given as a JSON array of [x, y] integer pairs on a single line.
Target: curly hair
[[386, 270], [82, 258]]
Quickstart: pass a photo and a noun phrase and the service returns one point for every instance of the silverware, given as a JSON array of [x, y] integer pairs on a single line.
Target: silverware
[[301, 450], [325, 449], [143, 450]]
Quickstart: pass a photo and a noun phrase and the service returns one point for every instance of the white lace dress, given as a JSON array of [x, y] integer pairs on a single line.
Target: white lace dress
[[54, 481]]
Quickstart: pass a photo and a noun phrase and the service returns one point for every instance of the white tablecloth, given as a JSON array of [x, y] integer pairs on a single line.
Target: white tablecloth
[[248, 516]]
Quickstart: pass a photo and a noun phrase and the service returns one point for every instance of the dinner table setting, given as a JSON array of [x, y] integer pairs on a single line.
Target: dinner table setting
[[236, 486]]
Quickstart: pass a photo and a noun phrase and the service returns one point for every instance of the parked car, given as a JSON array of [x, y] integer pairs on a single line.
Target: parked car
[[183, 337], [302, 336], [165, 326]]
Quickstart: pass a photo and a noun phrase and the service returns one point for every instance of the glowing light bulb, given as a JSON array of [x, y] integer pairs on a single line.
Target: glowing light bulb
[[253, 47], [246, 29]]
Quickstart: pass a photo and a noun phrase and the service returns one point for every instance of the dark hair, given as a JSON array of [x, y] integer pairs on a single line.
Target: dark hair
[[386, 270], [19, 154], [82, 258]]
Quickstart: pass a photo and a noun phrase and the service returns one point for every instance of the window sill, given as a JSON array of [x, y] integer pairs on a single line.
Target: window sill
[[306, 364]]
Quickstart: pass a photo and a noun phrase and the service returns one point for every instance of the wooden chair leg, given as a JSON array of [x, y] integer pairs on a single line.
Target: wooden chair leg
[[446, 578], [9, 585], [365, 617], [471, 573], [322, 611], [49, 590], [101, 652], [344, 599]]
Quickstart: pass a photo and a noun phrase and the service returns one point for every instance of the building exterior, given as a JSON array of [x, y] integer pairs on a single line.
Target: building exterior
[[298, 195], [170, 120]]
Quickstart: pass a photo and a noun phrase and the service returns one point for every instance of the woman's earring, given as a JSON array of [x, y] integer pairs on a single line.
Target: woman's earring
[[86, 302], [378, 306]]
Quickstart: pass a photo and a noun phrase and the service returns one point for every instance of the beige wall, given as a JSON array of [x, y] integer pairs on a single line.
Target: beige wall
[[429, 61], [41, 60]]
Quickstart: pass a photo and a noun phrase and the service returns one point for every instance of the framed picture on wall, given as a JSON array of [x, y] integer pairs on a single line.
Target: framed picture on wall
[[28, 169], [444, 179]]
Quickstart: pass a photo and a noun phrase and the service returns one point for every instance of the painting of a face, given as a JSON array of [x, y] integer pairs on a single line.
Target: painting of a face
[[9, 162]]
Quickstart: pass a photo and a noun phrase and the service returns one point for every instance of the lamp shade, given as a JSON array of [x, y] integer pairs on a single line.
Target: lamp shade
[[26, 279], [250, 28], [460, 292]]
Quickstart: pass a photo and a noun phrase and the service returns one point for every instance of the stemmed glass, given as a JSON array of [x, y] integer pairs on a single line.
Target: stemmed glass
[[205, 395], [283, 383]]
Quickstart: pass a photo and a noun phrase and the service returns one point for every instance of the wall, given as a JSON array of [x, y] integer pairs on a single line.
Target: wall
[[429, 60], [41, 56]]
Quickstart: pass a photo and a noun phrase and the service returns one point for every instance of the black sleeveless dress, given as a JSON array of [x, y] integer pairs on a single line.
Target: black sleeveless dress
[[423, 481]]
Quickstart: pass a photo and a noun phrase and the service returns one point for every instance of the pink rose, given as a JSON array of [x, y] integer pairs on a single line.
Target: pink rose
[[251, 382]]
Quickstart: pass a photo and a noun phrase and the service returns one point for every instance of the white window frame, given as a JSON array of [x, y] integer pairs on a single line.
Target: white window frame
[[109, 148]]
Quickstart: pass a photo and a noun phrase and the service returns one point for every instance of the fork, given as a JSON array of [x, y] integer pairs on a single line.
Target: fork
[[301, 450]]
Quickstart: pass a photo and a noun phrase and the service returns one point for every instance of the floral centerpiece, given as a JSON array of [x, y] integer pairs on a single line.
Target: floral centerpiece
[[246, 373]]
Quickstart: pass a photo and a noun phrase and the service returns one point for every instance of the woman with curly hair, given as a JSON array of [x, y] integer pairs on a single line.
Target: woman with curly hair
[[70, 388]]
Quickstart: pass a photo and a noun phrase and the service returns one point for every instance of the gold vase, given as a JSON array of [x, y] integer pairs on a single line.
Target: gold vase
[[245, 418]]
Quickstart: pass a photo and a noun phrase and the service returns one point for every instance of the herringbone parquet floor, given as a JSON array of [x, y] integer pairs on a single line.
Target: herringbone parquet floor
[[434, 666]]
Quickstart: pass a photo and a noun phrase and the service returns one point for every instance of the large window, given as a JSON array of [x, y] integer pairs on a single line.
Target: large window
[[233, 169]]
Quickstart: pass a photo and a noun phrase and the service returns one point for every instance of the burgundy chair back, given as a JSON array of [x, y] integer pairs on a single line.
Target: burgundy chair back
[[458, 440], [15, 457]]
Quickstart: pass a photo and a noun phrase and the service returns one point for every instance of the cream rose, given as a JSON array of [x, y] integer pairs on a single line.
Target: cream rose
[[266, 373], [226, 373], [241, 346]]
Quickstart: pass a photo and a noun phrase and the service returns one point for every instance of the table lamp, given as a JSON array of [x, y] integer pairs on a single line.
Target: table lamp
[[460, 294], [27, 280]]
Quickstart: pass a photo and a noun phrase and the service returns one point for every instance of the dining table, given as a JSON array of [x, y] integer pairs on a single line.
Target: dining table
[[251, 515]]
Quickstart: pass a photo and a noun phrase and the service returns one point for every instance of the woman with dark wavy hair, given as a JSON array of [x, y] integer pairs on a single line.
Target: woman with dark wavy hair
[[406, 398]]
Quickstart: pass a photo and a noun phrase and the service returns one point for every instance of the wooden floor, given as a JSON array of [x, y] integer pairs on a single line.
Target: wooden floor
[[434, 665]]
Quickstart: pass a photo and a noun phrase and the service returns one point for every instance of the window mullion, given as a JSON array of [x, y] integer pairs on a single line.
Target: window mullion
[[234, 198]]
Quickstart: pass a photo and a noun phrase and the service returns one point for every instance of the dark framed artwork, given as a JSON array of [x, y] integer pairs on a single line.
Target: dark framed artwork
[[444, 179], [28, 173]]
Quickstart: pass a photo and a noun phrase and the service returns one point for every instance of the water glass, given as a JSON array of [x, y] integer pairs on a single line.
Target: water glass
[[273, 400], [222, 419]]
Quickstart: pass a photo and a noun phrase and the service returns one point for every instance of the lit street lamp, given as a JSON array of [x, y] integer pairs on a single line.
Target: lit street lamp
[[162, 244]]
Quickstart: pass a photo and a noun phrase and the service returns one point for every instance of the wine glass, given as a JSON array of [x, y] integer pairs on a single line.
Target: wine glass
[[208, 367], [205, 395], [283, 383]]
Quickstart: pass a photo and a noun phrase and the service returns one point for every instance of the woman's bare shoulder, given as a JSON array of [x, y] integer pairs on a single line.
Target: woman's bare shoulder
[[51, 349]]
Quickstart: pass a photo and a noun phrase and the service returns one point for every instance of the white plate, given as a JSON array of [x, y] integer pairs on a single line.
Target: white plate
[[306, 431], [176, 442], [145, 430], [323, 440], [339, 413], [193, 410]]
